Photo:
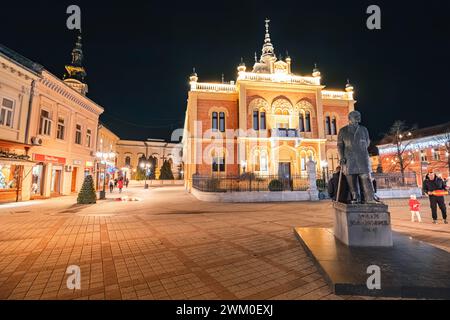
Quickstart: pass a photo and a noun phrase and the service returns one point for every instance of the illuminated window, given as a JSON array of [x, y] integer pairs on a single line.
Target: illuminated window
[[423, 155], [127, 161]]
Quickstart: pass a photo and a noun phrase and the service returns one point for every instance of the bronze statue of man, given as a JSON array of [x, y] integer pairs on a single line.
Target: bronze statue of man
[[353, 141]]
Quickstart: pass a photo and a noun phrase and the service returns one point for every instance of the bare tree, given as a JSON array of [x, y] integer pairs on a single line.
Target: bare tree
[[444, 141], [400, 136]]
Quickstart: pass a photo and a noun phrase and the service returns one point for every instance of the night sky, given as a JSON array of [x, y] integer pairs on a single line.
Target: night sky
[[139, 55]]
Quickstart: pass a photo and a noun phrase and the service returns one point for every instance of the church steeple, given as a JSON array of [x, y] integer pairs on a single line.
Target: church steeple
[[268, 51], [75, 74]]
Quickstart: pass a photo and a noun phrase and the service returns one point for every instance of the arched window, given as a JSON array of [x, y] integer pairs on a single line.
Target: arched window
[[222, 122], [307, 121], [327, 125], [214, 124], [301, 122], [262, 120], [333, 126], [127, 161], [255, 120]]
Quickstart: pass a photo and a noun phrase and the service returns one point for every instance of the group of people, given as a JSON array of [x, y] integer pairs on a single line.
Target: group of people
[[434, 186], [118, 183]]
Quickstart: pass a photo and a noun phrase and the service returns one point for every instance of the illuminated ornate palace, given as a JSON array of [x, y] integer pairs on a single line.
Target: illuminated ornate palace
[[269, 121]]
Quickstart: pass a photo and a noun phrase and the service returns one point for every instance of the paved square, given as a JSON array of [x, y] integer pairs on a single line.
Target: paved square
[[171, 246]]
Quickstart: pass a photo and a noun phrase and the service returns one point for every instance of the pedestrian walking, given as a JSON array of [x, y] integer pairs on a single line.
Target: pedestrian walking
[[414, 207], [126, 182], [111, 186], [120, 185], [434, 188], [115, 182]]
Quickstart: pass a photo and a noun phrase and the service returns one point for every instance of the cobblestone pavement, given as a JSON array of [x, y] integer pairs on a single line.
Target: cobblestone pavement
[[171, 246]]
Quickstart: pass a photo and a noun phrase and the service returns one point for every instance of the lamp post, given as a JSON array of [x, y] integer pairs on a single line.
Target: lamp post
[[104, 157], [146, 166]]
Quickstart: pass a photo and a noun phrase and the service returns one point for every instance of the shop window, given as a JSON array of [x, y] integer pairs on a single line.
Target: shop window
[[45, 126], [60, 129], [88, 138], [7, 112], [8, 176], [78, 134]]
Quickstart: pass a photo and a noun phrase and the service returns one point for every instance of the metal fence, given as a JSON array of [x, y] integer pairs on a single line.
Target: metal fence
[[250, 183], [395, 180]]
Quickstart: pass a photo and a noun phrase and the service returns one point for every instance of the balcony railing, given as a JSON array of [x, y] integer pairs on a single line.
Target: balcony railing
[[274, 77], [337, 95], [285, 133], [213, 87]]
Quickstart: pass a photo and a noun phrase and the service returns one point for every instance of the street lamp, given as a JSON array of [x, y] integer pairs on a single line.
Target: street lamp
[[146, 166], [104, 157]]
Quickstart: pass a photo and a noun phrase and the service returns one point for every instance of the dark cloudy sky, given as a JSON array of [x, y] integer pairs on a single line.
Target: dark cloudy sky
[[139, 54]]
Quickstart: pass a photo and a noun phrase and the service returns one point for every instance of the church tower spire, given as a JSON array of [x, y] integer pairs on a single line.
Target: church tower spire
[[268, 51], [75, 74]]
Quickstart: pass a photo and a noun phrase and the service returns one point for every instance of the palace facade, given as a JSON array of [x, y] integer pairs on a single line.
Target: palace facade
[[269, 121]]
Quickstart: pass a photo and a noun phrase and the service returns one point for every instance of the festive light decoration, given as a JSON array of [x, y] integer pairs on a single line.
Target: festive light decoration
[[417, 145]]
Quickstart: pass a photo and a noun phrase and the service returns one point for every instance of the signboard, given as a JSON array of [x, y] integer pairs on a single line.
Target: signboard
[[77, 162], [48, 159], [89, 164]]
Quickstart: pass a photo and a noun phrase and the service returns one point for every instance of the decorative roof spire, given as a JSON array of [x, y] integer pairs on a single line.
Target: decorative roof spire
[[268, 52], [75, 69], [75, 74]]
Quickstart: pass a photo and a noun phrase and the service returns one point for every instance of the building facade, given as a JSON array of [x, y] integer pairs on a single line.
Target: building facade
[[55, 123], [130, 154], [17, 78], [422, 150], [269, 121]]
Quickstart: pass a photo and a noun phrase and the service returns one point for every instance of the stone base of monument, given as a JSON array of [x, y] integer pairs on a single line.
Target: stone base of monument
[[409, 268], [363, 225]]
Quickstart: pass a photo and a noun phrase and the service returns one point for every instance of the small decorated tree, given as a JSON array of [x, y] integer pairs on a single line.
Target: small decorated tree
[[166, 171], [87, 193]]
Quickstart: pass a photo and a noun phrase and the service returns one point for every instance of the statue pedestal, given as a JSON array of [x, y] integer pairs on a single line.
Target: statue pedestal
[[363, 225]]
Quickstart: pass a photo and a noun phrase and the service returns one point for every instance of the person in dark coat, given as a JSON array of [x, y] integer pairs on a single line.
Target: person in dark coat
[[333, 184], [434, 188]]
